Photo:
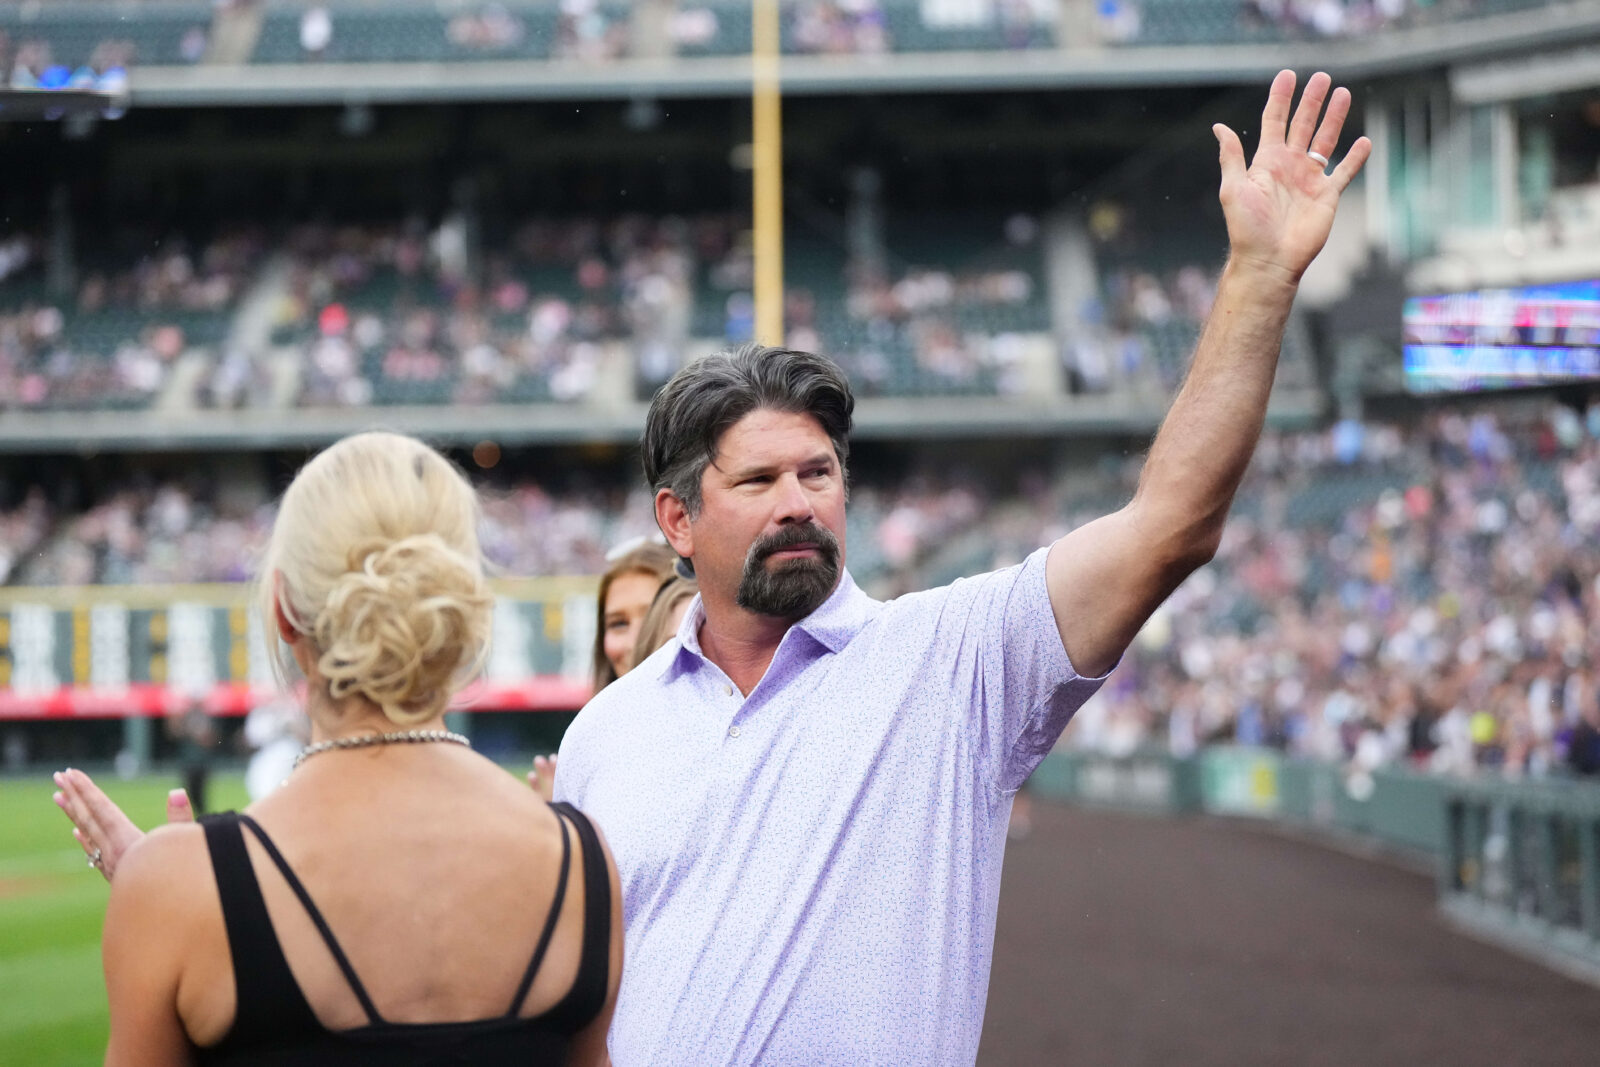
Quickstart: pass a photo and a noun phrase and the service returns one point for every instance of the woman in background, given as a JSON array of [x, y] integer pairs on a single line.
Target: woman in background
[[666, 614], [627, 589], [399, 899]]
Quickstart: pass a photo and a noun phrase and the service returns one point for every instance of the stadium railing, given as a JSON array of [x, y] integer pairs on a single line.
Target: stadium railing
[[1521, 863]]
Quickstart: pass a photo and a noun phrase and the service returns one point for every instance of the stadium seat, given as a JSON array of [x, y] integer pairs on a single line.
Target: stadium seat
[[405, 31], [155, 28]]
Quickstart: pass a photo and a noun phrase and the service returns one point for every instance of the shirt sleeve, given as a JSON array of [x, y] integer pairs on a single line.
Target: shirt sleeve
[[1024, 689]]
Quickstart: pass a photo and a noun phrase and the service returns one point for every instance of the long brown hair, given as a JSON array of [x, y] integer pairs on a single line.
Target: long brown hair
[[653, 631], [651, 558]]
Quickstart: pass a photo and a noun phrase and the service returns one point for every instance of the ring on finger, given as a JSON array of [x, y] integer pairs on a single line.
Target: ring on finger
[[1319, 157], [95, 860]]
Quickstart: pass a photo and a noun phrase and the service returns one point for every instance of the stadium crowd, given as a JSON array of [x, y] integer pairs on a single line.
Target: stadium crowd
[[405, 312], [375, 308], [1348, 18], [942, 323], [112, 338], [1420, 593], [399, 314], [1423, 592], [1137, 335], [104, 40], [166, 532]]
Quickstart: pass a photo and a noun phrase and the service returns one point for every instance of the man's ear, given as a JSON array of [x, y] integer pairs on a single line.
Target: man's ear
[[673, 518]]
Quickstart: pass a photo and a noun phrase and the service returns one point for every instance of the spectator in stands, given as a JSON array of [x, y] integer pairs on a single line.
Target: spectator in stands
[[1583, 749], [840, 27], [193, 46], [587, 31], [1120, 21], [237, 380], [316, 31], [30, 64], [492, 29], [374, 581]]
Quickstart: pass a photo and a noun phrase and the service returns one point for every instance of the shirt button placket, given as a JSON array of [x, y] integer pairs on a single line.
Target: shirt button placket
[[733, 731]]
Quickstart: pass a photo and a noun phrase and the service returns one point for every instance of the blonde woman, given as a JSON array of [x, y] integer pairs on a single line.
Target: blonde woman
[[400, 899]]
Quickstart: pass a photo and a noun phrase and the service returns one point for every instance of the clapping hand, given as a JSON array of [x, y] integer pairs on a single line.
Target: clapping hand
[[1280, 208], [99, 826], [543, 777]]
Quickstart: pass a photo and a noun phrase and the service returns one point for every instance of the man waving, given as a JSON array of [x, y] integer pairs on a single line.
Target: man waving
[[807, 790]]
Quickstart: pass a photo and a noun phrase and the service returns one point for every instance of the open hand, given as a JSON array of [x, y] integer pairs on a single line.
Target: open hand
[[1280, 208], [543, 777], [99, 826]]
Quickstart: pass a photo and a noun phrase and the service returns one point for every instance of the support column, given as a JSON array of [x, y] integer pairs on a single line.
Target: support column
[[137, 746], [1376, 185], [1503, 145]]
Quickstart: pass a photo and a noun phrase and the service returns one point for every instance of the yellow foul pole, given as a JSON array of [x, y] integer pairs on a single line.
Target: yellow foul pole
[[767, 149]]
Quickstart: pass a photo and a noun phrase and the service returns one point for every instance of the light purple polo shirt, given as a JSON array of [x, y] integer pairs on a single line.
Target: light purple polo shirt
[[810, 874]]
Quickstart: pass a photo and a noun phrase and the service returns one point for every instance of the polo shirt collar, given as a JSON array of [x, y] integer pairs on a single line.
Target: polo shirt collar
[[838, 619]]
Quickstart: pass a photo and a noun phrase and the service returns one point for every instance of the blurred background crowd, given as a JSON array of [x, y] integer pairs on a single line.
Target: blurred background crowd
[[71, 43], [1014, 280], [1422, 592]]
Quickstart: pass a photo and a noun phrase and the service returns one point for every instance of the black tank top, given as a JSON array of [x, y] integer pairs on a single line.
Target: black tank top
[[273, 1023]]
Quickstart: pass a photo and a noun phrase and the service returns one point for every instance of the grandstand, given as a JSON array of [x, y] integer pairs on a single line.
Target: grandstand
[[226, 285], [247, 265], [505, 224]]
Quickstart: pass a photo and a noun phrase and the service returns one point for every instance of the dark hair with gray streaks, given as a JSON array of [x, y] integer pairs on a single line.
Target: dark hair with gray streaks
[[703, 400]]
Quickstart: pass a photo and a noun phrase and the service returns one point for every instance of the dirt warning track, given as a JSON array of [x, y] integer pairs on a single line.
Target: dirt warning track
[[1131, 940]]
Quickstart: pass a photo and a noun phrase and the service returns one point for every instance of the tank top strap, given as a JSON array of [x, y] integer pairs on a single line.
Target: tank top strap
[[588, 993], [269, 1002], [316, 917], [549, 923]]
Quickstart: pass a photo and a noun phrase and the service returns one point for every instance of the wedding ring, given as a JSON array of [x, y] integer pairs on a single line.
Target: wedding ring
[[1319, 157], [94, 859]]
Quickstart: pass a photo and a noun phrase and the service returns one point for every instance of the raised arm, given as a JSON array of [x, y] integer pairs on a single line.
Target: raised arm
[[1106, 577], [149, 938]]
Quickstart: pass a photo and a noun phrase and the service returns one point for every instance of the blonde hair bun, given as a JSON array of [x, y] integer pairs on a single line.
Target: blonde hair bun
[[403, 626], [375, 557]]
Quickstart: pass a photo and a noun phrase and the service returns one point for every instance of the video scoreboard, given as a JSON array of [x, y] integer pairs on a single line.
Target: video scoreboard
[[1503, 338]]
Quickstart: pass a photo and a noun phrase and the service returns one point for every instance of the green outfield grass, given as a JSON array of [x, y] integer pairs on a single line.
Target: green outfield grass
[[53, 1012]]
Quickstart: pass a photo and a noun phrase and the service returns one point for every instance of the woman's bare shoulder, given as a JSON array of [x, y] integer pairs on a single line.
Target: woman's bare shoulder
[[162, 882], [168, 857]]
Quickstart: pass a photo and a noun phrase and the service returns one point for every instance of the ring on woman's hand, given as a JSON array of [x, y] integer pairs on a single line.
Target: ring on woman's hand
[[1320, 158], [94, 859]]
